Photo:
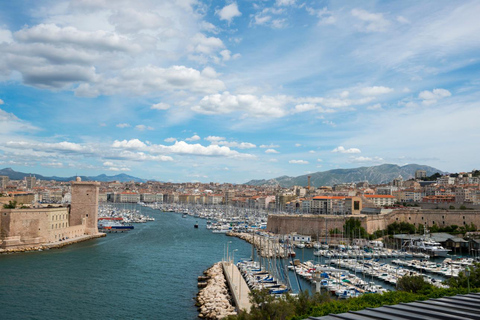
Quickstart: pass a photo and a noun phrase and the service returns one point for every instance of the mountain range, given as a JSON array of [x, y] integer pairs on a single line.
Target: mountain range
[[15, 175], [375, 175]]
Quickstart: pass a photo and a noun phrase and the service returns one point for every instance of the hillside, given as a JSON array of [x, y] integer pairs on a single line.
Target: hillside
[[375, 175], [15, 175]]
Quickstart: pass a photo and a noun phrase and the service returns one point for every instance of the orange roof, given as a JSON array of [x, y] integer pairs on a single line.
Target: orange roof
[[378, 196], [327, 197]]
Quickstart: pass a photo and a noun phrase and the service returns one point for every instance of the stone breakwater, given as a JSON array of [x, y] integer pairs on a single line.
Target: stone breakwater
[[266, 247], [214, 300], [48, 246]]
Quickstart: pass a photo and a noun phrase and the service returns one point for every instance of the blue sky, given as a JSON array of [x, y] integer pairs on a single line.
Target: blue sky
[[231, 91]]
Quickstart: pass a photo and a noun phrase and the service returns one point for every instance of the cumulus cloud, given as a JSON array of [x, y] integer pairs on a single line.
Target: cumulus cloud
[[225, 103], [214, 138], [160, 106], [142, 127], [181, 148], [269, 146], [374, 91], [123, 125], [298, 161], [365, 159], [431, 97], [129, 144], [372, 22], [377, 106], [271, 151], [170, 139], [298, 145], [234, 144], [229, 12], [285, 2], [341, 149], [195, 137], [1, 102]]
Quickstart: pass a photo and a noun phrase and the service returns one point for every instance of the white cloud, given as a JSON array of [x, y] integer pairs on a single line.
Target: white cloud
[[319, 160], [285, 2], [170, 140], [160, 106], [403, 20], [431, 97], [298, 161], [1, 102], [123, 125], [341, 149], [304, 107], [142, 127], [225, 103], [233, 144], [312, 151], [377, 106], [365, 159], [267, 146], [229, 12], [374, 91], [372, 22], [130, 144], [108, 164], [193, 138], [273, 160], [271, 151], [214, 138], [298, 145]]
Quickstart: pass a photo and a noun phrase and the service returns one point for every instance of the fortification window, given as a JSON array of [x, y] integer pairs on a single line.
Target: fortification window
[[463, 217], [433, 222], [422, 218], [463, 222], [409, 218]]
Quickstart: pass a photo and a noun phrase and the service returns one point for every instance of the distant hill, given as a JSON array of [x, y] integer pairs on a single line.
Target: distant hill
[[375, 175], [14, 175]]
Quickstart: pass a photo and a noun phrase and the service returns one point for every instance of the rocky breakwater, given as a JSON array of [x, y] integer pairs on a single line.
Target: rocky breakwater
[[266, 247], [214, 300]]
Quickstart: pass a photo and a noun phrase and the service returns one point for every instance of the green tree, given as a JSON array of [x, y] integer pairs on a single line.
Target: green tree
[[413, 284], [462, 280], [353, 228], [451, 207], [12, 204]]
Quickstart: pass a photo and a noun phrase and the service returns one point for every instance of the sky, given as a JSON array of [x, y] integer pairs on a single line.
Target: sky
[[225, 91]]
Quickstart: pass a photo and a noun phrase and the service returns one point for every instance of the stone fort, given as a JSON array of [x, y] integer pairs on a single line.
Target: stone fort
[[320, 225], [21, 228]]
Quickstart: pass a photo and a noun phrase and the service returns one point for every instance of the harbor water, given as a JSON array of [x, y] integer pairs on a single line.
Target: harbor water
[[148, 273]]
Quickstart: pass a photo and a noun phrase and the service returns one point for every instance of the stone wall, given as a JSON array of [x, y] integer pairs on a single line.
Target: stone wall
[[27, 226], [314, 225]]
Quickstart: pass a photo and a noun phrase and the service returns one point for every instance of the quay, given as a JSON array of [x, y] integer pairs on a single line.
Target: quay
[[52, 245], [238, 287]]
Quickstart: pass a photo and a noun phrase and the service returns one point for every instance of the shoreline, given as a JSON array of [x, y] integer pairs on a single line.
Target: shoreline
[[214, 298], [52, 245]]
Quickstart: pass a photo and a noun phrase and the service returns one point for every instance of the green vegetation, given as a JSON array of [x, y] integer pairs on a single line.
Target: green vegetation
[[433, 177], [353, 229], [265, 306], [454, 229], [11, 205]]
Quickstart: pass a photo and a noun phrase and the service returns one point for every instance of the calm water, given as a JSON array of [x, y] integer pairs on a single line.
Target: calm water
[[148, 273]]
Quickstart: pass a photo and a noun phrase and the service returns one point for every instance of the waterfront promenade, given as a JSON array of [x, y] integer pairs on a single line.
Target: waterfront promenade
[[238, 287]]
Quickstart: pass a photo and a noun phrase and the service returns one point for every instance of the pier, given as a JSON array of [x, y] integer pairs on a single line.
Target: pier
[[238, 287]]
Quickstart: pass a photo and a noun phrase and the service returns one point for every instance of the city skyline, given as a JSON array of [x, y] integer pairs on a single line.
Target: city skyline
[[233, 91]]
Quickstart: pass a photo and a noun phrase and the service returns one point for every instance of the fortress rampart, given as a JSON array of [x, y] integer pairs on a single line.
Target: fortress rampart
[[314, 225]]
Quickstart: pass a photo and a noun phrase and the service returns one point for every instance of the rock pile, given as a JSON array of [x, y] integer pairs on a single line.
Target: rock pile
[[213, 300]]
